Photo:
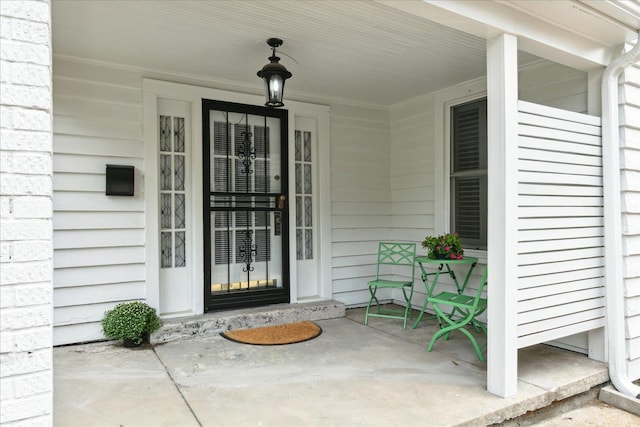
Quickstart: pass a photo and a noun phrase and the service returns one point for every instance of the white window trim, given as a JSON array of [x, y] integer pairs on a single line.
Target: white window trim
[[442, 153]]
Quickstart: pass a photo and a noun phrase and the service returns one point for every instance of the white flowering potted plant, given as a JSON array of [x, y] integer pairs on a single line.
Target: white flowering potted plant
[[132, 322], [445, 246]]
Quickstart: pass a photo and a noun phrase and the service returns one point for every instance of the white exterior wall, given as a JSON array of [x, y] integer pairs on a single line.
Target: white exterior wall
[[99, 240], [630, 187], [26, 378], [360, 198], [418, 152]]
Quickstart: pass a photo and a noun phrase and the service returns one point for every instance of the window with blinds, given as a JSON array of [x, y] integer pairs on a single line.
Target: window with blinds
[[468, 173]]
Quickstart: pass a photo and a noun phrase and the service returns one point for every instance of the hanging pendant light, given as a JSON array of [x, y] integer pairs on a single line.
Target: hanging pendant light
[[274, 74]]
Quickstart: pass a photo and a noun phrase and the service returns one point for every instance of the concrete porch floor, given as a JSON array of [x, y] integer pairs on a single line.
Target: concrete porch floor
[[351, 375]]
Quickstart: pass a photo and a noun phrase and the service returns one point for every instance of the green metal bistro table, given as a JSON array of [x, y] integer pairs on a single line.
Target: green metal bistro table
[[442, 264]]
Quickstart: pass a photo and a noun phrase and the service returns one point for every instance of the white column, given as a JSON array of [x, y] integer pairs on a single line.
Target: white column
[[26, 211], [502, 116]]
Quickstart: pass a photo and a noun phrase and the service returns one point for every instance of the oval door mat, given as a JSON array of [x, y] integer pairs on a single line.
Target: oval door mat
[[288, 333]]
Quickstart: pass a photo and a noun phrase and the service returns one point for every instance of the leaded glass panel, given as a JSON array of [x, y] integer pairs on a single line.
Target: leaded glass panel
[[172, 186], [178, 131], [308, 244], [165, 133], [179, 209], [181, 256], [298, 146], [299, 211], [165, 172], [307, 179], [299, 254], [179, 173], [307, 146], [165, 249], [165, 211], [298, 178], [308, 212]]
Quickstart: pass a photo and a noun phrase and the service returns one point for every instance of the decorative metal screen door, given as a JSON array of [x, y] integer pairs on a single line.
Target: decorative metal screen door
[[245, 205]]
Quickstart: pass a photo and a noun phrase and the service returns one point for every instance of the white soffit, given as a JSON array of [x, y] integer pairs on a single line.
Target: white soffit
[[566, 31]]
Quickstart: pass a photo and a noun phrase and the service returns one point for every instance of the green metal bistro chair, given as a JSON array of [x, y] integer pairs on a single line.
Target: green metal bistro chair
[[463, 311], [402, 257]]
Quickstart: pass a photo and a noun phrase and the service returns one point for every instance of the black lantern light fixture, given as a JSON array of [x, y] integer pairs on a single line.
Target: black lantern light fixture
[[274, 74]]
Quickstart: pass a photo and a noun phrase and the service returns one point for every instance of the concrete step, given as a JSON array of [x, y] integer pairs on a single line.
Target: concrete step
[[220, 321]]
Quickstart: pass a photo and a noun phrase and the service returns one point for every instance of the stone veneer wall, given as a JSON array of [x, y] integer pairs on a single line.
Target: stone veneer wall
[[26, 211]]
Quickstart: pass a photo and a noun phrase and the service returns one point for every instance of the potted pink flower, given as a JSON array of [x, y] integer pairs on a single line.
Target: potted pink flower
[[445, 246]]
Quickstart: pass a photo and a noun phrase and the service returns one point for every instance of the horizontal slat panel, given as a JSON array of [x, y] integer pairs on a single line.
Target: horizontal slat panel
[[558, 146], [91, 90], [543, 110], [361, 208], [68, 239], [91, 164], [560, 311], [116, 129], [83, 332], [98, 275], [97, 146], [562, 233], [555, 256], [558, 135], [79, 295], [558, 168], [530, 286], [555, 123], [75, 201], [362, 221], [559, 322], [553, 334], [533, 189], [558, 157], [81, 313], [83, 107], [97, 220], [560, 200], [559, 211], [560, 244], [559, 178], [65, 258], [552, 223], [554, 266], [558, 304]]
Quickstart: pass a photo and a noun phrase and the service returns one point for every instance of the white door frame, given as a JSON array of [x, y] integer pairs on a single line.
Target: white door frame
[[155, 89]]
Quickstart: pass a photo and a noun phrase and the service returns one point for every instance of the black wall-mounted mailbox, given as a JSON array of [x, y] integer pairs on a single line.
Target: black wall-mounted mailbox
[[120, 180]]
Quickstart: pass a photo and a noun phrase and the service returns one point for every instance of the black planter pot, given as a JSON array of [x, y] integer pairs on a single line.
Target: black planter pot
[[129, 343]]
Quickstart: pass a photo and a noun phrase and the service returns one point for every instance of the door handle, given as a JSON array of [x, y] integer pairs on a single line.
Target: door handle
[[281, 200]]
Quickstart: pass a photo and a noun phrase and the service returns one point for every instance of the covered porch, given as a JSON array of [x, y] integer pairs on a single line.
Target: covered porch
[[350, 375], [384, 174]]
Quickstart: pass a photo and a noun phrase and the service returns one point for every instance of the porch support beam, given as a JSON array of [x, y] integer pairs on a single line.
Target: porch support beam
[[502, 121]]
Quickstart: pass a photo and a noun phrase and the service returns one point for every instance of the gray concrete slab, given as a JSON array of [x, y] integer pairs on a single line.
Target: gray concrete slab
[[351, 375]]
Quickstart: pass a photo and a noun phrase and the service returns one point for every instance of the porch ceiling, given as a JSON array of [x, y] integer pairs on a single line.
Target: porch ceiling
[[367, 52]]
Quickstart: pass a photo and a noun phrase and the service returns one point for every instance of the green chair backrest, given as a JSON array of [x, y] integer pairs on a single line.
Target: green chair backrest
[[396, 253]]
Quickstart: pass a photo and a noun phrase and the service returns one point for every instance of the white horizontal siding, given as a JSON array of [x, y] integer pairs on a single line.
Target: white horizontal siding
[[360, 196], [560, 220], [630, 187], [99, 240]]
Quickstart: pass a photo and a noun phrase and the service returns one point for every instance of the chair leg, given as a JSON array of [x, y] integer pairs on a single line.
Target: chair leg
[[372, 291], [453, 326]]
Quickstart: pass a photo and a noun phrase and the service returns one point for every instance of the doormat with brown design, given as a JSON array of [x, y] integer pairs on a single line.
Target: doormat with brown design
[[288, 333]]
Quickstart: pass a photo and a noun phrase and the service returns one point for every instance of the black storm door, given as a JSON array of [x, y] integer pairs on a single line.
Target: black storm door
[[245, 205]]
